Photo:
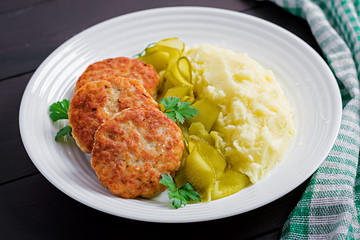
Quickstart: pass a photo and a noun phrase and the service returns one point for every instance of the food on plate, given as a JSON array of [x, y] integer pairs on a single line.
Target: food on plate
[[121, 67], [180, 196], [178, 111], [97, 101], [133, 149], [245, 122], [59, 111], [167, 58], [255, 123], [219, 122]]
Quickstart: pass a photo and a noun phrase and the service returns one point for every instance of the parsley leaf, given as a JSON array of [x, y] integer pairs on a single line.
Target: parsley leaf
[[180, 196], [63, 132], [59, 110], [167, 180], [177, 110]]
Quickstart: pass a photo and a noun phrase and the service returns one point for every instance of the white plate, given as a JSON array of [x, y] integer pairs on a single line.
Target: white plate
[[305, 77]]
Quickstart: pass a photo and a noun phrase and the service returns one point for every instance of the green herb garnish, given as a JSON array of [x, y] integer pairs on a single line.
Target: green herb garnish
[[58, 111], [181, 196], [63, 132], [177, 110], [143, 51]]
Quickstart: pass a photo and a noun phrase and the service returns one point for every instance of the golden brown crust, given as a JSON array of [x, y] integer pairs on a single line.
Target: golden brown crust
[[123, 67], [97, 101], [133, 149]]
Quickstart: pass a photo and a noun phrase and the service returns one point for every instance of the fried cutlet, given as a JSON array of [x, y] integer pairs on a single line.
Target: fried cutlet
[[133, 149], [97, 101], [123, 67]]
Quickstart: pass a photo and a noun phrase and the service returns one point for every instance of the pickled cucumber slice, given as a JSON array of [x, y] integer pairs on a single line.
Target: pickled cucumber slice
[[173, 46], [198, 132], [197, 171], [185, 136], [173, 68], [173, 43], [213, 157], [184, 66], [219, 143], [180, 92], [208, 113], [158, 59], [180, 72], [230, 183]]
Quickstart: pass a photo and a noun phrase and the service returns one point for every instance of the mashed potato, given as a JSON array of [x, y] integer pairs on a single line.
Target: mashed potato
[[256, 119]]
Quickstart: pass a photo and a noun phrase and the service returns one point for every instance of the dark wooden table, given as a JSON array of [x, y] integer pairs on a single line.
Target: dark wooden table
[[30, 206]]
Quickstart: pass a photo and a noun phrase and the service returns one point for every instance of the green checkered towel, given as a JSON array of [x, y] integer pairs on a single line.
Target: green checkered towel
[[330, 206]]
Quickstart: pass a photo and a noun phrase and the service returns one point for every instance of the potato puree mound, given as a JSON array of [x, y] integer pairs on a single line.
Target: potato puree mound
[[256, 119]]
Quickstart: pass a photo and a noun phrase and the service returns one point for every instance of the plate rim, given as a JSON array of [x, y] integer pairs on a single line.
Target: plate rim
[[108, 21]]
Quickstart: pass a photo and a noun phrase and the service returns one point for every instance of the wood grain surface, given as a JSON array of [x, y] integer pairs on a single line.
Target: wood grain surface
[[30, 206]]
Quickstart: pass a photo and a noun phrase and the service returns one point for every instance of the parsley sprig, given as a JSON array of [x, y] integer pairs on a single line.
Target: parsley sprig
[[177, 110], [58, 111], [180, 196]]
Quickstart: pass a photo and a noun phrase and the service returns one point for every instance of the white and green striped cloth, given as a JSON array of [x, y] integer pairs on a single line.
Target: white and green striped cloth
[[330, 206]]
